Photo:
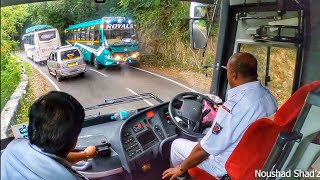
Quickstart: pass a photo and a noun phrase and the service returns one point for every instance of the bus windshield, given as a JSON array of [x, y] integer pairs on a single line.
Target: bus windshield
[[120, 36]]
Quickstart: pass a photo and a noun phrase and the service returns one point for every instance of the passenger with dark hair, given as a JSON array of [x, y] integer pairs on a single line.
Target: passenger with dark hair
[[55, 121], [247, 101]]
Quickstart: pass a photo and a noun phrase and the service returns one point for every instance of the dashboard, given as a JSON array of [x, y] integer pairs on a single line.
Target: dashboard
[[135, 143], [146, 130]]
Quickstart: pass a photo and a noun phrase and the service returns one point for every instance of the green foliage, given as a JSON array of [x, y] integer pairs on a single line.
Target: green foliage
[[10, 78], [61, 14], [12, 19], [27, 99]]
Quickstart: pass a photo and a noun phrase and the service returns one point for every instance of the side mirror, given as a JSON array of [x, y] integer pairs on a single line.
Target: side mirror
[[198, 33]]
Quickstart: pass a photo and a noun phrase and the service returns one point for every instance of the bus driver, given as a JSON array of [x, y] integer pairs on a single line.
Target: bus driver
[[247, 101]]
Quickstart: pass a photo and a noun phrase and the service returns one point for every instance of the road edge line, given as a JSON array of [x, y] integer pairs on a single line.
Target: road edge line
[[173, 81], [54, 84], [146, 101]]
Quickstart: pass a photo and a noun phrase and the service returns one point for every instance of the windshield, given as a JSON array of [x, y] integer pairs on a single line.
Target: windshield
[[120, 36], [149, 52], [47, 35], [69, 54]]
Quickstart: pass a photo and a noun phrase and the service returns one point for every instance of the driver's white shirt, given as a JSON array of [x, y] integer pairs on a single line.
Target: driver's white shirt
[[244, 105]]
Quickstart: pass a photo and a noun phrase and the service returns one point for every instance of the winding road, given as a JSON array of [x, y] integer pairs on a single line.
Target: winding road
[[98, 85]]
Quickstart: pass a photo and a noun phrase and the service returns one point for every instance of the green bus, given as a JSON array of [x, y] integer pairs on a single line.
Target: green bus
[[107, 41]]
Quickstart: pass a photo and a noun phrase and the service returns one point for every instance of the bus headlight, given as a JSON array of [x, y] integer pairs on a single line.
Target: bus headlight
[[117, 57], [135, 55]]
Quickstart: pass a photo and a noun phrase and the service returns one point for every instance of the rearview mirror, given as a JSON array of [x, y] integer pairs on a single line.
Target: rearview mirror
[[198, 10], [198, 34]]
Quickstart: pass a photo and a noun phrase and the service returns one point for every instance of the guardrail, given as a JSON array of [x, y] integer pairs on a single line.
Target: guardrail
[[10, 109]]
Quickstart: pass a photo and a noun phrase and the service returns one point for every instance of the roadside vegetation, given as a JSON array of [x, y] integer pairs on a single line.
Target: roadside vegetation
[[37, 87], [12, 19], [26, 100]]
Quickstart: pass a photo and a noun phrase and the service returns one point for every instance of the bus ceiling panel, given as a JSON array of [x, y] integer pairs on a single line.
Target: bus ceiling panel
[[241, 2], [246, 27], [201, 1], [16, 2], [267, 5]]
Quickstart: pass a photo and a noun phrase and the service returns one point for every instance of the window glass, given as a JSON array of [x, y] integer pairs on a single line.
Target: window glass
[[96, 35], [278, 76], [32, 39], [83, 35], [87, 36], [47, 36], [69, 54], [91, 34], [78, 35]]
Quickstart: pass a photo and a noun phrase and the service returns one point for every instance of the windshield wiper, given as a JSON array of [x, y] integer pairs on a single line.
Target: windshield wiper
[[124, 100]]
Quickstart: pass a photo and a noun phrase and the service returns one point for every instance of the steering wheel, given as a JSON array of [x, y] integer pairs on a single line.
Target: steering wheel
[[185, 110]]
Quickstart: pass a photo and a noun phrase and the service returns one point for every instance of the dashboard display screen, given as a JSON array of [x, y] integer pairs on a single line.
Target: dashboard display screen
[[145, 138]]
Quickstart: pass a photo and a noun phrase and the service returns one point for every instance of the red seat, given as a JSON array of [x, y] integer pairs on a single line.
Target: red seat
[[199, 174], [258, 140]]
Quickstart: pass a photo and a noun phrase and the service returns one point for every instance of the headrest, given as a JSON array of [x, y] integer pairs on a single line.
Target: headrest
[[286, 116]]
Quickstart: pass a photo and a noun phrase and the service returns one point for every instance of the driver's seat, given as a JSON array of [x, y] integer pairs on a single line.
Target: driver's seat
[[256, 144]]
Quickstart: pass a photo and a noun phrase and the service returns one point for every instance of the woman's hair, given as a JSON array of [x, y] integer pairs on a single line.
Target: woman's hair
[[55, 121]]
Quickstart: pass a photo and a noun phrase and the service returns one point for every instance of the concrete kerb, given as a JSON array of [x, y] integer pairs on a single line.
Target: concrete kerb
[[10, 109]]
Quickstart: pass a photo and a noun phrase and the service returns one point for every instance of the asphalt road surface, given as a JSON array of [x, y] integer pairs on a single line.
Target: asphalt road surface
[[98, 85]]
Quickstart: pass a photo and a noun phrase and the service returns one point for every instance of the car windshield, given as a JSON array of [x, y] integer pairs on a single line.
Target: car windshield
[[69, 54]]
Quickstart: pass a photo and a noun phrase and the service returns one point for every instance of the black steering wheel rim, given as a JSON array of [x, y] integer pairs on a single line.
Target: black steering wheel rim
[[173, 112]]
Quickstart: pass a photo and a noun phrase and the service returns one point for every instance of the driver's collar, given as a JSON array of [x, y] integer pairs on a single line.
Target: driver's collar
[[250, 85], [53, 156]]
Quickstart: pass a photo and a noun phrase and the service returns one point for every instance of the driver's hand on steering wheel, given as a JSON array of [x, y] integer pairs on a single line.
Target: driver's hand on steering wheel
[[216, 107]]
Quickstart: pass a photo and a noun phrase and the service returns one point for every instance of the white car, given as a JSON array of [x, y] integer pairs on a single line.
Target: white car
[[66, 61]]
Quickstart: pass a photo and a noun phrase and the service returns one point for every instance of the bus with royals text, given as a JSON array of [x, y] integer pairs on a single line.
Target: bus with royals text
[[107, 41]]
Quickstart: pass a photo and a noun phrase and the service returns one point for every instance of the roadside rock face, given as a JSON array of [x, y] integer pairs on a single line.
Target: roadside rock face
[[10, 109]]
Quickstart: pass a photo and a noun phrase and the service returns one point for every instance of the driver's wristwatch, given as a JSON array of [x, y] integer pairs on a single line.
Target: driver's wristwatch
[[86, 156], [181, 169]]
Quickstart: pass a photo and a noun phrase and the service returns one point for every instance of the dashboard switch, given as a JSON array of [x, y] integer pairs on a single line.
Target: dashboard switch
[[158, 131], [138, 127]]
